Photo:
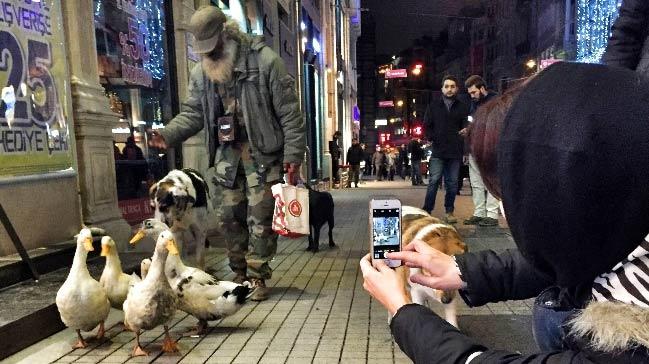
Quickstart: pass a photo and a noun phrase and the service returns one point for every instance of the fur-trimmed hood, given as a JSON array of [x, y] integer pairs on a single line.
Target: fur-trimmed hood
[[611, 326]]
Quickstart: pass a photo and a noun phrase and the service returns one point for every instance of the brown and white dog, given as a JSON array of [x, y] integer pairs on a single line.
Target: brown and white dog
[[180, 200], [417, 224]]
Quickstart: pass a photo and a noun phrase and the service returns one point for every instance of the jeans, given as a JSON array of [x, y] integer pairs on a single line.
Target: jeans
[[356, 169], [450, 168], [548, 318], [485, 204], [416, 172]]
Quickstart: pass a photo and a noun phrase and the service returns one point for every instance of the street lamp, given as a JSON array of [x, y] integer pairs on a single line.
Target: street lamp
[[400, 103], [531, 64], [417, 70]]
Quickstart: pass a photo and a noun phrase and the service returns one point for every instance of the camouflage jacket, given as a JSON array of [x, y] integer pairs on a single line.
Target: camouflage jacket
[[271, 114]]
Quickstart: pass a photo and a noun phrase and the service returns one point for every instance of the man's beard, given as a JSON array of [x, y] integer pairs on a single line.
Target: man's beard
[[221, 70]]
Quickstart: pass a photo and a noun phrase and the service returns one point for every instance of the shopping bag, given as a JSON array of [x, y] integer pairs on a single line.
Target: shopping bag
[[291, 215]]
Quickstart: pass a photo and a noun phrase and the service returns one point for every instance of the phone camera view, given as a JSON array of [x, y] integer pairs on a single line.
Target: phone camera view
[[386, 232]]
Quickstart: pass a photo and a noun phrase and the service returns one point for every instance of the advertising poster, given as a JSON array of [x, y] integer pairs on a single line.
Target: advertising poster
[[34, 126]]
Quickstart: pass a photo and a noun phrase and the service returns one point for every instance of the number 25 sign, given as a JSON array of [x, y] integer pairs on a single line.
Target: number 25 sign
[[34, 133]]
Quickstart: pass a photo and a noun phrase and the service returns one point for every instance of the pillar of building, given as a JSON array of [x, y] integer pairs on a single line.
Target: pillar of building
[[93, 122]]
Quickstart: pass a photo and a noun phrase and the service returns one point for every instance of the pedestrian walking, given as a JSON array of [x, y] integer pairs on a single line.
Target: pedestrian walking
[[336, 152], [260, 131], [368, 160], [485, 210], [445, 122], [391, 161], [355, 156], [378, 160], [416, 156]]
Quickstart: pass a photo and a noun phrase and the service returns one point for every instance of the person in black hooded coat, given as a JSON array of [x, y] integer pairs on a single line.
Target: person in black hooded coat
[[571, 170]]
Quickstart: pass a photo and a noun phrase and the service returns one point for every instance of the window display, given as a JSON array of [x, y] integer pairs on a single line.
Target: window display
[[133, 69]]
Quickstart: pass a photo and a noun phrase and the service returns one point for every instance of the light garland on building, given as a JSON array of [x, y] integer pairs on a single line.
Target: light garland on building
[[154, 39], [594, 21]]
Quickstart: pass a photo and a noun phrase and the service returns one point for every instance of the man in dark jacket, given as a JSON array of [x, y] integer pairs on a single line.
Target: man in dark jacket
[[444, 121], [355, 155], [336, 152], [589, 276], [628, 46], [485, 205], [403, 161], [244, 99]]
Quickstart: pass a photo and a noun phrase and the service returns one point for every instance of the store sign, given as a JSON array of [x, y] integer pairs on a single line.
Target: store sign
[[34, 131], [135, 54], [398, 73], [548, 62], [136, 210], [389, 103], [380, 122]]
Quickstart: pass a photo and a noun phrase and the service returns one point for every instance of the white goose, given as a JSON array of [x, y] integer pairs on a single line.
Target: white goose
[[81, 300], [200, 294], [152, 302], [116, 283], [175, 269]]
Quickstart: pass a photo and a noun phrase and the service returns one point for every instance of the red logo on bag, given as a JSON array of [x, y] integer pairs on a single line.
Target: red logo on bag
[[295, 208]]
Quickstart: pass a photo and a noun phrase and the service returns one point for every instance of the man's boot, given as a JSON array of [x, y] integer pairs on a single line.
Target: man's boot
[[260, 291]]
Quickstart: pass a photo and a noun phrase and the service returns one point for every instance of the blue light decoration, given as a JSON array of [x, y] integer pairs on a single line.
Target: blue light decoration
[[594, 21], [98, 9], [153, 28]]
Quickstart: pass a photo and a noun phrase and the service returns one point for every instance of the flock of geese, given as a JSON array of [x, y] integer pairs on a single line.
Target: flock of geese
[[150, 301]]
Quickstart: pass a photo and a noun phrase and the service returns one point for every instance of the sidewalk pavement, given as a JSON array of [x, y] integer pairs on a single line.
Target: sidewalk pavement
[[318, 311]]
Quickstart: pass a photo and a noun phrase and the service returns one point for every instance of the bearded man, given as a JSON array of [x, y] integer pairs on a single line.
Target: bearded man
[[242, 96]]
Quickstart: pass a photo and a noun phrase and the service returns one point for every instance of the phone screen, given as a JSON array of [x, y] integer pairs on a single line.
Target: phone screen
[[386, 232]]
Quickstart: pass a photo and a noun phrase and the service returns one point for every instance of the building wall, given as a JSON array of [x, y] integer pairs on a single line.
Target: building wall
[[43, 212], [367, 81]]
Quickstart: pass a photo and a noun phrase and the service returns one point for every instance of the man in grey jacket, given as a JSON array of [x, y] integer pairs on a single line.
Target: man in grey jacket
[[243, 97]]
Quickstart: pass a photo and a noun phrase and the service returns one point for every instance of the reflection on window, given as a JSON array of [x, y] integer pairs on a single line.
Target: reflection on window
[[132, 56]]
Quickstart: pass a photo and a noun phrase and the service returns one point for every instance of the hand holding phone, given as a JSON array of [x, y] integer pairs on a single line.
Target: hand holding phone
[[385, 229]]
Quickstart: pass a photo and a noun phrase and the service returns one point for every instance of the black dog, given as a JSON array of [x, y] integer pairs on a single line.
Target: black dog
[[321, 210]]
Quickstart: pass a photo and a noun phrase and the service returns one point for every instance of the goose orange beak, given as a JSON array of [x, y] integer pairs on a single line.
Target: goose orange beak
[[138, 236], [105, 250], [172, 247]]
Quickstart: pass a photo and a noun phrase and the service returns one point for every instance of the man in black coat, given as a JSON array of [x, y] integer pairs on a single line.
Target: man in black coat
[[445, 120], [336, 152], [355, 155], [628, 46]]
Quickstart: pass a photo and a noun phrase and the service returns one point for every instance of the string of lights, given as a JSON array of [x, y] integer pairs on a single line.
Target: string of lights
[[154, 40], [594, 21], [152, 27]]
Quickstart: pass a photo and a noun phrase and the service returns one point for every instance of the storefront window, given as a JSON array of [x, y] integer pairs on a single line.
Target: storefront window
[[133, 68]]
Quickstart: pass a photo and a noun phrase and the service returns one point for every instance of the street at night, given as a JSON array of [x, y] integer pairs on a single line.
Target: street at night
[[324, 181]]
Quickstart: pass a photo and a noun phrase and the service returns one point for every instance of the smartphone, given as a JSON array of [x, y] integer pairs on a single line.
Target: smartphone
[[385, 229]]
